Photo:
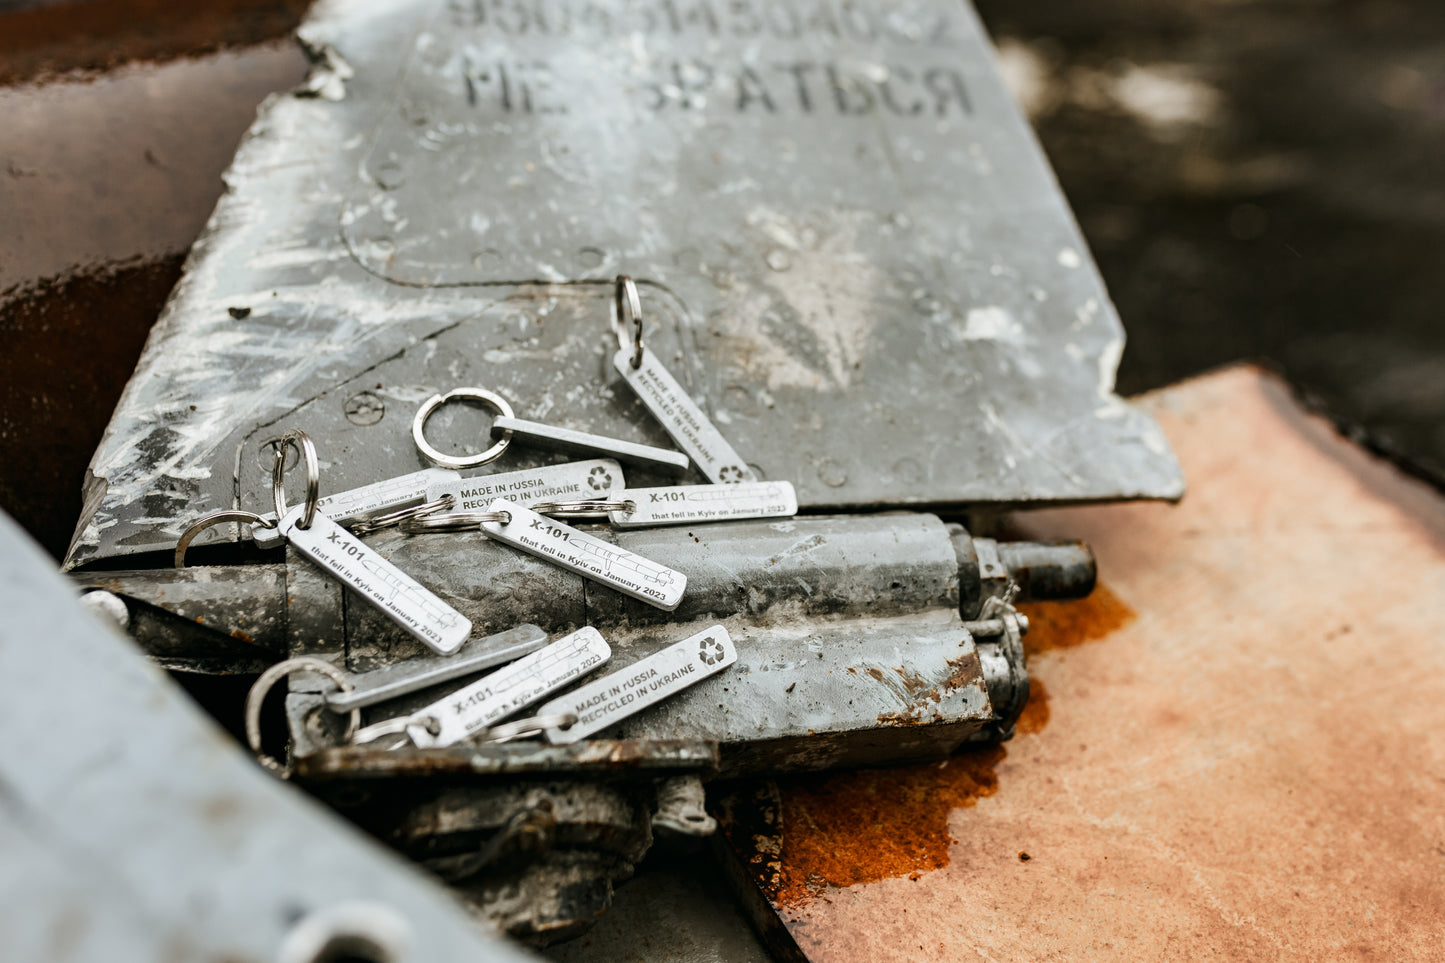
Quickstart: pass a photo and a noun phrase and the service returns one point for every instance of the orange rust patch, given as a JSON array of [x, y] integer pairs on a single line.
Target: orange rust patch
[[1063, 625], [243, 636], [830, 830], [1036, 711], [858, 827]]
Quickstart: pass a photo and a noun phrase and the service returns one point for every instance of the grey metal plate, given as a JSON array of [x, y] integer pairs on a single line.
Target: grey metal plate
[[133, 829], [850, 250]]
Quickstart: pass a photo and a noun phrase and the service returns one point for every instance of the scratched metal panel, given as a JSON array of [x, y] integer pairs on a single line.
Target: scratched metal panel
[[850, 247], [134, 830]]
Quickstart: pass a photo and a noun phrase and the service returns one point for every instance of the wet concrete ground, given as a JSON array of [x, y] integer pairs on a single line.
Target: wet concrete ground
[[1261, 178]]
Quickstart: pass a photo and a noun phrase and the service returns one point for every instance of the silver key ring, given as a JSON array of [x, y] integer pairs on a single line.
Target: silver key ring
[[488, 399], [277, 672], [375, 523], [454, 522], [629, 308], [522, 728], [215, 518], [583, 508], [307, 447]]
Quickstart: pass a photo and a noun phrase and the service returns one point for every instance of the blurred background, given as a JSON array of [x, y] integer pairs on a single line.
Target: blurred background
[[1257, 179]]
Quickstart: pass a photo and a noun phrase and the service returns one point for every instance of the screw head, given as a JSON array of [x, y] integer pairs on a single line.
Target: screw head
[[365, 409]]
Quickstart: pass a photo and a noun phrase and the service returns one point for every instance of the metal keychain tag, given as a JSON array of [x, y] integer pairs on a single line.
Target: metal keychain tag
[[588, 555], [402, 491], [646, 682], [413, 675], [680, 416], [535, 434], [398, 596], [577, 479], [473, 708], [703, 503]]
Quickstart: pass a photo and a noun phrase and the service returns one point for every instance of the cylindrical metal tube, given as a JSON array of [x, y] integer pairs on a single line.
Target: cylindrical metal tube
[[764, 570], [1049, 570]]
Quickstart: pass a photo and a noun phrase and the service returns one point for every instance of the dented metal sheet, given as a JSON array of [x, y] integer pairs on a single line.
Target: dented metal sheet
[[134, 830], [850, 249]]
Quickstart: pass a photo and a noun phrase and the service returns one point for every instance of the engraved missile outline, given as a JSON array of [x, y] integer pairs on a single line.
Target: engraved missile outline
[[492, 698], [405, 600], [403, 585], [732, 492], [614, 557], [577, 551]]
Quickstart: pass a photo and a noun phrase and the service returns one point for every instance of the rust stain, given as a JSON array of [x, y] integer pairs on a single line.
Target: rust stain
[[823, 831], [913, 683], [900, 719], [60, 376], [859, 827], [101, 34], [243, 636], [1036, 711], [1063, 625]]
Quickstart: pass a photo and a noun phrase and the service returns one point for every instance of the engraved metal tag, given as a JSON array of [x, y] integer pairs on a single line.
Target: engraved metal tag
[[614, 697], [398, 596], [471, 709], [403, 491], [534, 434], [588, 555], [704, 503], [671, 405], [593, 478], [413, 675]]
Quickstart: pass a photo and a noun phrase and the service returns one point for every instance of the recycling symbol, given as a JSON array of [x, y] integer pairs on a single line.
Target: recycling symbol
[[730, 474], [600, 479], [710, 650]]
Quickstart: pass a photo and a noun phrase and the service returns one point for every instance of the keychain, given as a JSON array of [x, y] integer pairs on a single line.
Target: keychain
[[355, 692], [357, 508], [471, 710], [623, 693], [567, 547], [669, 403], [595, 477], [344, 556], [546, 437], [681, 504]]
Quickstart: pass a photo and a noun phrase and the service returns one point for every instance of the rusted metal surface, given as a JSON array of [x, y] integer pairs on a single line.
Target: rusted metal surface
[[600, 758], [854, 649], [1151, 807], [811, 254]]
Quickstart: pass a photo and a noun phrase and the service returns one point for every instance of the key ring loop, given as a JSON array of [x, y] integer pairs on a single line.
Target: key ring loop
[[396, 727], [454, 522], [263, 685], [375, 523], [583, 508], [522, 728], [488, 399], [303, 443], [629, 308], [219, 517]]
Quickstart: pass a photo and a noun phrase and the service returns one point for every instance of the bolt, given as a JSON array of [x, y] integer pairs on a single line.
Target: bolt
[[365, 409]]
